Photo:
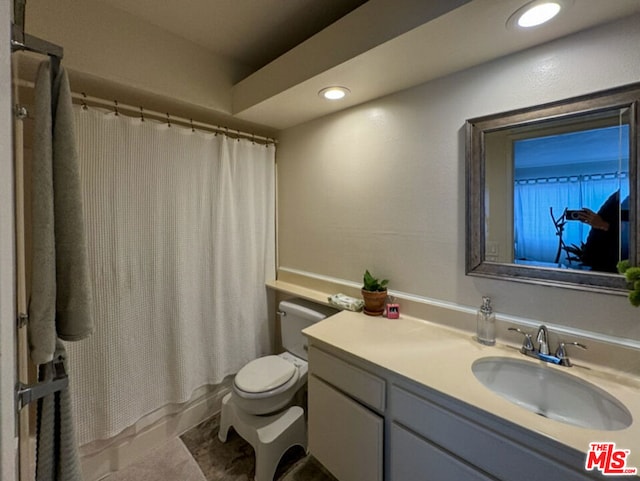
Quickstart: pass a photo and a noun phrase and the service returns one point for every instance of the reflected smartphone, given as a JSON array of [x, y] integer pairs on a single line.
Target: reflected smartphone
[[572, 214]]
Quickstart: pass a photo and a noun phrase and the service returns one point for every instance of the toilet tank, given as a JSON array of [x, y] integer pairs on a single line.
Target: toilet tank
[[295, 315]]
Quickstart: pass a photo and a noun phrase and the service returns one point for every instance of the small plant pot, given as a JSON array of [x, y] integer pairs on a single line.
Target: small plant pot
[[374, 302]]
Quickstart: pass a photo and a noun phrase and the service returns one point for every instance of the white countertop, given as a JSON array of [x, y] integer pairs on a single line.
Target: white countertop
[[441, 358]]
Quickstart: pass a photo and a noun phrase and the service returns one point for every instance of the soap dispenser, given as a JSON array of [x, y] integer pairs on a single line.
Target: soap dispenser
[[486, 329]]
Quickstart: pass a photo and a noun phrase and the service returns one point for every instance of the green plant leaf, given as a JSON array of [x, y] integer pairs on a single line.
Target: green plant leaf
[[634, 298], [372, 284], [632, 274], [622, 266]]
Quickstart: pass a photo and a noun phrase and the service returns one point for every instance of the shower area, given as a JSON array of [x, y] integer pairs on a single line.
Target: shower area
[[178, 221]]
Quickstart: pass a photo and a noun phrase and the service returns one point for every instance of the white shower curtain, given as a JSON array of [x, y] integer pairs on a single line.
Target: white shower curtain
[[181, 233]]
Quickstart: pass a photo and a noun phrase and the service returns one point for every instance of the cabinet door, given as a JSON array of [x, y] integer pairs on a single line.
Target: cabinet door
[[343, 435], [481, 446], [356, 383], [415, 459]]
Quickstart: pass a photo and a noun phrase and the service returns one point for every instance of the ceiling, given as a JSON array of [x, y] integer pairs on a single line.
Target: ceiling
[[297, 47], [251, 32], [594, 146]]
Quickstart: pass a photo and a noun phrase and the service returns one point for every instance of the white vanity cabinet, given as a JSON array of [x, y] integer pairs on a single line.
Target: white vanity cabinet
[[436, 438], [346, 430], [367, 423]]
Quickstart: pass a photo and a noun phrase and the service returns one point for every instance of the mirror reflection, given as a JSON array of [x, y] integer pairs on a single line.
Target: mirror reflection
[[569, 198], [551, 191]]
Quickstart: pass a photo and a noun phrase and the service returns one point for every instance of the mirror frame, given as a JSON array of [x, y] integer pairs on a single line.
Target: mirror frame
[[476, 129]]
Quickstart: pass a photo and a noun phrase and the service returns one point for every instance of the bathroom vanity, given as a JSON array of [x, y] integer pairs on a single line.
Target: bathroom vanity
[[396, 400]]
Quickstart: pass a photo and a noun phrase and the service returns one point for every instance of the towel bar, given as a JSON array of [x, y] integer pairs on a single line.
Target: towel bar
[[28, 393]]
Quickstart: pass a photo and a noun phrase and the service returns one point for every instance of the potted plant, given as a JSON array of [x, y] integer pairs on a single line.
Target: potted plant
[[632, 275], [374, 293]]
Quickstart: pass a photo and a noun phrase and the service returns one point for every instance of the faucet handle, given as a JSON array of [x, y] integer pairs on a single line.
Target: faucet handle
[[527, 343], [561, 352]]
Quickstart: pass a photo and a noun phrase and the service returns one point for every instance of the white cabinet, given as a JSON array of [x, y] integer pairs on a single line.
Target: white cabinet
[[359, 384], [345, 434], [414, 459], [429, 436], [449, 438]]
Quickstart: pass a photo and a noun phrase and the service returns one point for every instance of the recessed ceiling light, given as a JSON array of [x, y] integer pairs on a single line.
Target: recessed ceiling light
[[536, 13], [334, 93]]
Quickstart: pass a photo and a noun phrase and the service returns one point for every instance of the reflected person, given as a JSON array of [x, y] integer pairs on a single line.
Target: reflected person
[[604, 247]]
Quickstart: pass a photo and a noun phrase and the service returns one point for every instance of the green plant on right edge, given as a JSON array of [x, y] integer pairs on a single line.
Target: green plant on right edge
[[632, 274], [372, 284]]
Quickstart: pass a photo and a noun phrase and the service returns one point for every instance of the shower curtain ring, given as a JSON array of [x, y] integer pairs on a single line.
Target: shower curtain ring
[[192, 127], [141, 114], [168, 120], [115, 108], [83, 101]]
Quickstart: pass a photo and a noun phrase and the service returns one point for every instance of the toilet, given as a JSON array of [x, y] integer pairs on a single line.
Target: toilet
[[262, 406]]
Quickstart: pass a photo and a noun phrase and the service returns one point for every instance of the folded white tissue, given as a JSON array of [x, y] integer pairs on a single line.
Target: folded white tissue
[[346, 302]]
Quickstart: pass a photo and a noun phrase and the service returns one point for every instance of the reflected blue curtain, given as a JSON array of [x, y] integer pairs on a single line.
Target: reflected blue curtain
[[535, 233]]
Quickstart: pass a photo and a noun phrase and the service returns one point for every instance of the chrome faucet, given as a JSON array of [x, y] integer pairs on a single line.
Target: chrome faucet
[[542, 350], [542, 339]]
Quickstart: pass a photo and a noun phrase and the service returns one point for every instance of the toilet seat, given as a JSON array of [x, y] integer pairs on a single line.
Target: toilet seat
[[264, 377]]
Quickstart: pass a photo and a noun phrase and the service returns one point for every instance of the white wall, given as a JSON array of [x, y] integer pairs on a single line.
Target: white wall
[[112, 45], [7, 292], [382, 185]]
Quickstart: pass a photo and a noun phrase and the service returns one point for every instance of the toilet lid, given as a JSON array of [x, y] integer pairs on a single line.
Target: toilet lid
[[264, 374]]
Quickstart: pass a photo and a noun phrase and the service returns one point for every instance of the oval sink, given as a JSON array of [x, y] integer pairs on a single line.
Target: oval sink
[[551, 393]]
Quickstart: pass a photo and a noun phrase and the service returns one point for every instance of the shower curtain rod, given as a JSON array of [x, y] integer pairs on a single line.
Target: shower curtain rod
[[142, 113], [133, 111]]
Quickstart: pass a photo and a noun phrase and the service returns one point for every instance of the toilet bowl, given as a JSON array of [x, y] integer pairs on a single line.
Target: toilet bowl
[[261, 406], [268, 384]]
